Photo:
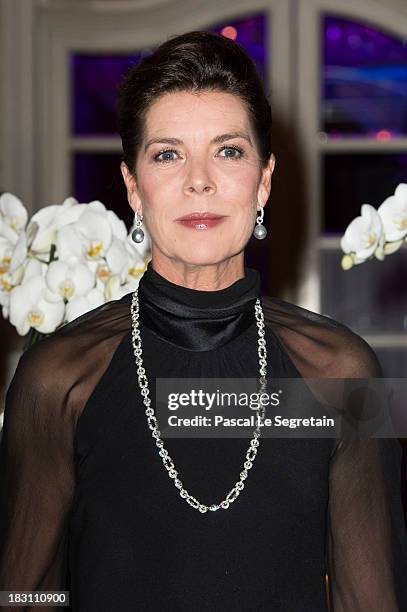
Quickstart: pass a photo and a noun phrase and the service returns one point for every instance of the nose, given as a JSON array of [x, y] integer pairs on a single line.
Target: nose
[[199, 180]]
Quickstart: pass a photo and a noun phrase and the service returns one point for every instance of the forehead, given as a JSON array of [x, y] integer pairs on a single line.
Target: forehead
[[210, 110]]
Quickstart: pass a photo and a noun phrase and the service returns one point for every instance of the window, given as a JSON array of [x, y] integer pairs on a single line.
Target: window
[[363, 100]]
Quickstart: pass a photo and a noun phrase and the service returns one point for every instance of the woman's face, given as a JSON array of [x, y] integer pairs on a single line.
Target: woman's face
[[198, 155]]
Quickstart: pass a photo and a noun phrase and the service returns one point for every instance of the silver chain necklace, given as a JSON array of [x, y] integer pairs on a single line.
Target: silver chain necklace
[[153, 425]]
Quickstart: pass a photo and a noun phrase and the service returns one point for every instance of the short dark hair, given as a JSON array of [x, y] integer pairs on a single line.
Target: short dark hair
[[196, 61]]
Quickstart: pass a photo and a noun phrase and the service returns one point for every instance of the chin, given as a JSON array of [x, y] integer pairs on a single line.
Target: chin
[[204, 256]]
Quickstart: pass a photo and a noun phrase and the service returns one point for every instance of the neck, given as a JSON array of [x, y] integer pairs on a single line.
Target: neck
[[206, 277], [193, 319]]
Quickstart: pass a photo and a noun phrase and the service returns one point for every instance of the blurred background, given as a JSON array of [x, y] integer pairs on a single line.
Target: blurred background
[[336, 75]]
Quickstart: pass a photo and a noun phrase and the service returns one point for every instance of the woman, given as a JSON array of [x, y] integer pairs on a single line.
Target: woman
[[85, 492]]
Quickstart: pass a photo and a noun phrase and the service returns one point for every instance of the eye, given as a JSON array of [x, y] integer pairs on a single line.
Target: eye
[[232, 148], [167, 154], [164, 152]]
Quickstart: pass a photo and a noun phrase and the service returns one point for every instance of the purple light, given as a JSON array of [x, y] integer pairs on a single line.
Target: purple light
[[364, 79], [333, 33], [354, 41]]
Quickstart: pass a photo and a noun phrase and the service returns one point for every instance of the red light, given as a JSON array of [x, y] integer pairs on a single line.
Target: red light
[[229, 32], [383, 135]]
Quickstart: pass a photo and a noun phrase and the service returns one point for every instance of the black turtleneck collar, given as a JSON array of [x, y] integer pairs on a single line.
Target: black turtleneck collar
[[194, 319]]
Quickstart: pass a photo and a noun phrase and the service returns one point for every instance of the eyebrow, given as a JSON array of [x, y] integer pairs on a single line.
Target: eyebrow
[[217, 140]]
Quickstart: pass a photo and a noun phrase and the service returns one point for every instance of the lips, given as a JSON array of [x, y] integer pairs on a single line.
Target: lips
[[197, 216], [201, 220]]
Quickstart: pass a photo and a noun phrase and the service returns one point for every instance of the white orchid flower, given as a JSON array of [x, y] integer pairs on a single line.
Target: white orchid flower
[[137, 262], [8, 281], [87, 239], [347, 262], [101, 272], [80, 305], [122, 261], [115, 263], [47, 231], [116, 281], [31, 233], [31, 267], [69, 245], [6, 286], [97, 206], [392, 247], [95, 261], [14, 269], [115, 291], [137, 269], [6, 253], [364, 235], [68, 212], [13, 212], [112, 288], [34, 267], [69, 280], [49, 220], [32, 304], [118, 226], [95, 234], [7, 232], [19, 254], [4, 303], [393, 213], [117, 258]]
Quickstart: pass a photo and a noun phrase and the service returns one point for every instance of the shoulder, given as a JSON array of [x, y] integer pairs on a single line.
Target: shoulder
[[320, 344], [58, 361]]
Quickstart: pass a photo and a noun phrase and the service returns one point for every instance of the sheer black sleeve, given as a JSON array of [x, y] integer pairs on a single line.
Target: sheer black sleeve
[[367, 537], [366, 533], [37, 478], [47, 394], [367, 550]]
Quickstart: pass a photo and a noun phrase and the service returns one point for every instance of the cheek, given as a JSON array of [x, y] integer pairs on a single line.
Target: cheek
[[154, 195], [151, 187], [244, 201], [241, 188], [245, 222]]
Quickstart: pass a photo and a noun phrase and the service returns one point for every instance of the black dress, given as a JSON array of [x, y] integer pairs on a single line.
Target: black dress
[[86, 503]]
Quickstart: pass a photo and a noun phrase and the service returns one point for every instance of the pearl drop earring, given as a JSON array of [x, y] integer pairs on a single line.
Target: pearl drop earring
[[260, 231], [138, 234]]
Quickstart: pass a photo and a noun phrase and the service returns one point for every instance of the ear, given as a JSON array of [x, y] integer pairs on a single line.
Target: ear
[[133, 196], [264, 189]]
